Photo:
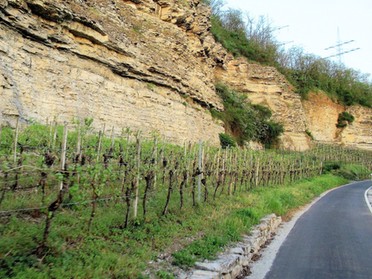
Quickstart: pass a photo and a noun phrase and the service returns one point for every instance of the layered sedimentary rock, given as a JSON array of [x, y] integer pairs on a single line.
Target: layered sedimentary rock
[[127, 67], [266, 86], [148, 65], [322, 115]]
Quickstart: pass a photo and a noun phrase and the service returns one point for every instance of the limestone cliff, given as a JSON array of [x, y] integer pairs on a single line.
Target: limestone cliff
[[141, 66], [149, 65], [266, 86], [322, 114]]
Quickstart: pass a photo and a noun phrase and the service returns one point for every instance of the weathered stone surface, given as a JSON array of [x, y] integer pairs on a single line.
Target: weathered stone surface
[[236, 271], [322, 114], [266, 86], [143, 64], [223, 264], [204, 274], [238, 251], [359, 133], [104, 59], [231, 263]]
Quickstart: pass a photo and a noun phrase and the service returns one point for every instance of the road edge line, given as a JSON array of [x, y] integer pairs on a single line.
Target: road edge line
[[367, 200], [259, 271]]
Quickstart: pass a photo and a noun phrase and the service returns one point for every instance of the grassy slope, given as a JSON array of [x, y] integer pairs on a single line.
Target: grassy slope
[[114, 253]]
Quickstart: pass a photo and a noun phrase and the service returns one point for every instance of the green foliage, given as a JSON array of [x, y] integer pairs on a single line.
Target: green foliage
[[270, 132], [344, 118], [311, 73], [353, 172], [161, 274], [347, 171], [110, 250], [330, 166], [226, 231], [308, 132], [254, 40], [226, 141], [233, 37], [246, 121], [244, 215]]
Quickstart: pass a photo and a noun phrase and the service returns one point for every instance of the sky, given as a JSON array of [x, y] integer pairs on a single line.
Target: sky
[[318, 24]]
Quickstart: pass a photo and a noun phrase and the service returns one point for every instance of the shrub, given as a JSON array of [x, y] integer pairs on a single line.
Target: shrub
[[245, 121], [227, 141], [348, 171], [330, 166], [270, 132], [344, 118], [256, 43], [308, 132]]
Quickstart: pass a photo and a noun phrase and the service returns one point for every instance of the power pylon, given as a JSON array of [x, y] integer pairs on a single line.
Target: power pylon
[[340, 50]]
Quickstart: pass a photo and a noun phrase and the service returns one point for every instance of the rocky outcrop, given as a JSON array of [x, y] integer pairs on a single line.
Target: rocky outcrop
[[322, 114], [115, 61], [266, 86], [359, 133], [148, 65]]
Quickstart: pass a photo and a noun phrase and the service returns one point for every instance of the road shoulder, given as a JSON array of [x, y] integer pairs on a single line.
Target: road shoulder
[[261, 267]]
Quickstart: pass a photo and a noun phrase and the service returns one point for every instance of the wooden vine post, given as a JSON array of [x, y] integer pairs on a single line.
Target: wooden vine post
[[138, 165], [155, 158], [63, 155], [53, 207], [15, 142], [200, 162], [257, 172], [94, 180], [54, 139]]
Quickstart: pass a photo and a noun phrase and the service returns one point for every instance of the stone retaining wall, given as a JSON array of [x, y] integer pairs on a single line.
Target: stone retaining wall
[[236, 260]]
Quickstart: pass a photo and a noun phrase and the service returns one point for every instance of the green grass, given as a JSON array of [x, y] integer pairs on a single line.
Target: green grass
[[239, 214], [190, 234], [348, 171], [115, 253]]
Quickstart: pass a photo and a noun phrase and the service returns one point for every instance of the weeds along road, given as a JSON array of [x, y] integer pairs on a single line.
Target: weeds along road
[[333, 239]]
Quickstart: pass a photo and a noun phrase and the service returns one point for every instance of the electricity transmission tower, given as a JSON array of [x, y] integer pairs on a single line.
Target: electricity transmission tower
[[339, 48]]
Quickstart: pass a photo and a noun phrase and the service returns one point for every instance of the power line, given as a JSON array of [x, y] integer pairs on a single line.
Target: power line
[[338, 46], [278, 28], [338, 54]]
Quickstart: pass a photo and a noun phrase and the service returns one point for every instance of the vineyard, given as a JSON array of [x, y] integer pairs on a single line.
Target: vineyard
[[68, 172]]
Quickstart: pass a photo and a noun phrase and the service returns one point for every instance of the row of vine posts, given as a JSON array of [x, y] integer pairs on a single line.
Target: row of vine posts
[[51, 167]]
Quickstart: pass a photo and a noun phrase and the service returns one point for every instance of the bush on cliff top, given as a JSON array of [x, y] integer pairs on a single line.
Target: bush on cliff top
[[254, 40]]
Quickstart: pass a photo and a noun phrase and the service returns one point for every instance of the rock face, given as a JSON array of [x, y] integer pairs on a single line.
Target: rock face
[[322, 114], [148, 65], [141, 66], [266, 86], [359, 133]]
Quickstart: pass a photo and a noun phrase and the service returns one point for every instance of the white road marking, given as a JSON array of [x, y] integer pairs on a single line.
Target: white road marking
[[368, 201], [260, 268]]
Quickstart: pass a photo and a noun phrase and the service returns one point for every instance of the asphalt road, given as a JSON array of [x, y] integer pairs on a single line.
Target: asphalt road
[[333, 239]]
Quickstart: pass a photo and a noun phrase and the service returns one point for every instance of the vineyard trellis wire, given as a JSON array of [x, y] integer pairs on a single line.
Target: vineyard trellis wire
[[45, 168]]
